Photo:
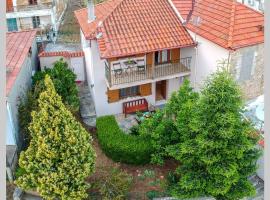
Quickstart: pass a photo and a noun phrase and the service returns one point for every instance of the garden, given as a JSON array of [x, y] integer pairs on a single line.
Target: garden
[[198, 145]]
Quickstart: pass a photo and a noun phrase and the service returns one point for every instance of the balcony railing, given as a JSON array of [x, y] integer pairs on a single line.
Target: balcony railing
[[19, 8], [145, 72]]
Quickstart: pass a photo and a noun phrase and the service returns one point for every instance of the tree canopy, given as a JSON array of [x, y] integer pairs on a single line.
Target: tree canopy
[[60, 155]]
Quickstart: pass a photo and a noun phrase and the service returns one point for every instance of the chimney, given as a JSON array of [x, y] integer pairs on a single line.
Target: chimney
[[91, 11]]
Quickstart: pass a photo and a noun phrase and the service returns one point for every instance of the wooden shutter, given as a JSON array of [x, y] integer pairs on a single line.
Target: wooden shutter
[[149, 58], [113, 95], [146, 89], [175, 55]]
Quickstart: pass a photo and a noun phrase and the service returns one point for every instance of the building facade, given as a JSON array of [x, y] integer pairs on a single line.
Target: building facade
[[232, 34], [142, 61], [20, 65], [43, 15]]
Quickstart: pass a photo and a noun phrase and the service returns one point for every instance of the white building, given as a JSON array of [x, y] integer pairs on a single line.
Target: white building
[[255, 4], [136, 54], [70, 53], [44, 15], [230, 32], [20, 65]]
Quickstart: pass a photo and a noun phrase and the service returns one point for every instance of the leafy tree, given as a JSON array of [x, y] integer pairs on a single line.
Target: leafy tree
[[64, 82], [221, 152], [60, 155], [160, 131]]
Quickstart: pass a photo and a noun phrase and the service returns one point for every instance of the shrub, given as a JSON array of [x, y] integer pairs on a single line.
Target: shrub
[[113, 184], [60, 155], [64, 82], [119, 146]]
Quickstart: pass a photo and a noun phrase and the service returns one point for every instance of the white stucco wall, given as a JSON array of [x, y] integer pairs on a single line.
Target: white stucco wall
[[208, 55], [76, 64], [19, 89]]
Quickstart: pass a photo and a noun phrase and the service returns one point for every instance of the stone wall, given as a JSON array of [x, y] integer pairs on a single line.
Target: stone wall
[[253, 86]]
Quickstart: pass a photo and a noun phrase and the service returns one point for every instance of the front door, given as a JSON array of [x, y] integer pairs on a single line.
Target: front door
[[161, 90]]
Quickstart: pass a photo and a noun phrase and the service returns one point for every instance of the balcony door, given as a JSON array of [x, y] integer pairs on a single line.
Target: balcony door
[[161, 90], [163, 56]]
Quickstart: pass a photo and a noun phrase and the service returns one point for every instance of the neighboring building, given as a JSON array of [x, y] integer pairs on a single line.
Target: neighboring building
[[43, 15], [134, 50], [21, 62], [255, 4], [229, 31], [71, 53]]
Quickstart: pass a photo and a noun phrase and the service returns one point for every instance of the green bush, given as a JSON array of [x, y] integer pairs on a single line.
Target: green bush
[[119, 146]]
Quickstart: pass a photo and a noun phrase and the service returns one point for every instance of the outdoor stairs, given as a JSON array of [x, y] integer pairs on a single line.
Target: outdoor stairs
[[87, 107]]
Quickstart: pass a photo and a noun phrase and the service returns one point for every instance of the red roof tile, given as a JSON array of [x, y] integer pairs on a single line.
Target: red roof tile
[[17, 48], [227, 23], [135, 26], [66, 54]]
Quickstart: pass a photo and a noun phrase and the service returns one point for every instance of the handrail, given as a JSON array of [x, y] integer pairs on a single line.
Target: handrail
[[140, 73], [29, 7]]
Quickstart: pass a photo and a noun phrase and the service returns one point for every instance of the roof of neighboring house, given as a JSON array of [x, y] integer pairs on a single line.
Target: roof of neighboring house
[[228, 23], [17, 48], [61, 49], [129, 27]]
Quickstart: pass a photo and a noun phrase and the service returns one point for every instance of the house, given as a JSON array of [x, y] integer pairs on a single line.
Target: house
[[70, 53], [230, 31], [136, 52], [44, 15], [21, 62], [255, 4]]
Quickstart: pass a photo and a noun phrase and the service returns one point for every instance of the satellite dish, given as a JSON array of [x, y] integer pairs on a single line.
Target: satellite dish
[[99, 35], [196, 21]]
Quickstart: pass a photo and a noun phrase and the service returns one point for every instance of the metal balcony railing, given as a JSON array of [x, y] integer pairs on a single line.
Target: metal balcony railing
[[31, 7], [146, 72]]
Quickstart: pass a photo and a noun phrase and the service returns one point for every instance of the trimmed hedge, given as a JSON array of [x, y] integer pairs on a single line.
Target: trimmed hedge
[[119, 146]]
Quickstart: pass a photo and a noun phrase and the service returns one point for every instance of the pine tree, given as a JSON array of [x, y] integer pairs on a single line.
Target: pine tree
[[222, 152], [60, 156]]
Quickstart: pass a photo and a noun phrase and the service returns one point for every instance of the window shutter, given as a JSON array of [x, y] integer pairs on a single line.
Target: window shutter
[[175, 55], [113, 95], [146, 89], [246, 65]]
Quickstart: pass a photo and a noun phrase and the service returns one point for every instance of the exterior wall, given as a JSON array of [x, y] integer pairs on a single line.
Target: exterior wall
[[208, 54], [19, 89], [76, 64], [254, 86], [190, 52]]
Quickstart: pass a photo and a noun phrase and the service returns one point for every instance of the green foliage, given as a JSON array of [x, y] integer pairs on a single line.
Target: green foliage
[[134, 130], [60, 155], [26, 106], [114, 184], [160, 131], [220, 151], [64, 82], [119, 146], [154, 194], [19, 172]]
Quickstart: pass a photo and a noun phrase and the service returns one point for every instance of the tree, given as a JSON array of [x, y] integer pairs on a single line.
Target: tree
[[169, 127], [222, 151], [60, 155], [64, 82]]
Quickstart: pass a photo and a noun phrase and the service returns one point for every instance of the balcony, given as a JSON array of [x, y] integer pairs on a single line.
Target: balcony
[[136, 70], [32, 7]]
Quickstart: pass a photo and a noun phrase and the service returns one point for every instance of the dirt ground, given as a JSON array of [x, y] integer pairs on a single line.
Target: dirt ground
[[9, 190]]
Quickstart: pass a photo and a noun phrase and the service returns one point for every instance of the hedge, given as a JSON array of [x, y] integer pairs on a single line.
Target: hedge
[[120, 146]]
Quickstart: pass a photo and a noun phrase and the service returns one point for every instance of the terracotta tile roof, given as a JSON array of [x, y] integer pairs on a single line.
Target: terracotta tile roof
[[135, 26], [17, 48], [227, 23], [65, 54]]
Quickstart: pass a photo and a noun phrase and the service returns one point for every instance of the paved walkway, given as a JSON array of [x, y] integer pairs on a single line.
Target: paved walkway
[[87, 107], [125, 123]]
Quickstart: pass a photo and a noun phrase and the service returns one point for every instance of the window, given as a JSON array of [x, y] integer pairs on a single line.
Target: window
[[32, 2], [36, 21], [162, 56], [12, 24], [129, 92]]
